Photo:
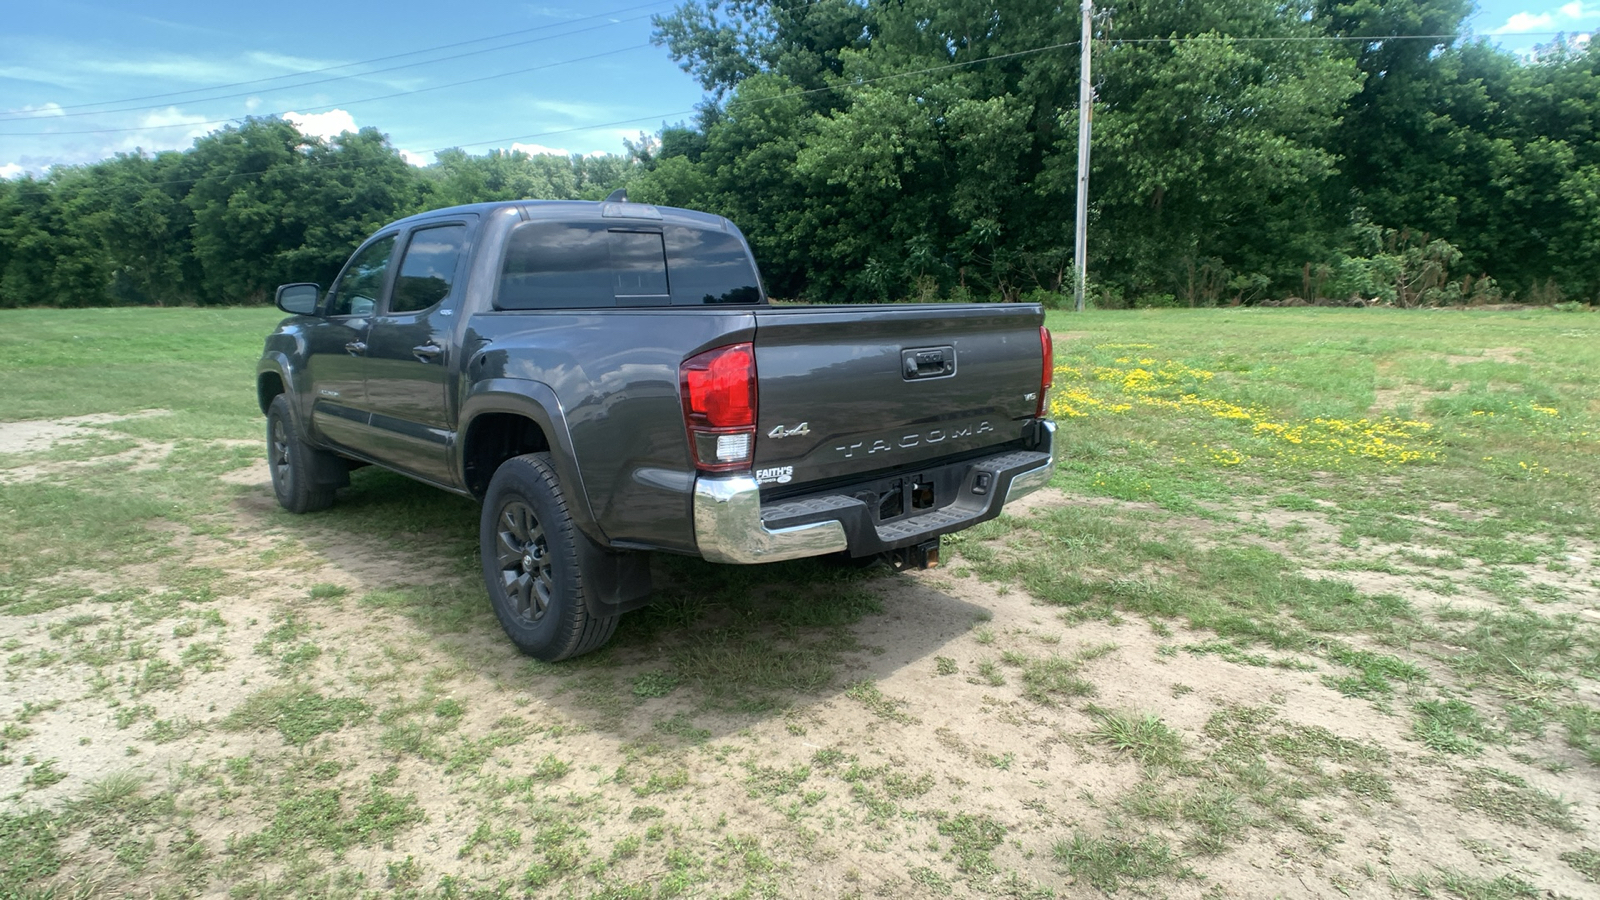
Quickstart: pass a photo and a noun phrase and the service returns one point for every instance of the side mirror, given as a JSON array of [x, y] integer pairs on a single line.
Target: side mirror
[[299, 299]]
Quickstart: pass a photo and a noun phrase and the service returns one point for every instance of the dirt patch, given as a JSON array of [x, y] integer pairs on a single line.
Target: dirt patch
[[143, 457], [257, 474], [1388, 399], [1490, 354], [36, 435]]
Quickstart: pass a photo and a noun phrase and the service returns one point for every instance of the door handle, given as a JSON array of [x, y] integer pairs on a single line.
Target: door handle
[[356, 348], [427, 352]]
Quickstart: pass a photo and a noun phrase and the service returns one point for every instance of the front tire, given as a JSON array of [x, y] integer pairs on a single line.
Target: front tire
[[295, 464], [532, 566]]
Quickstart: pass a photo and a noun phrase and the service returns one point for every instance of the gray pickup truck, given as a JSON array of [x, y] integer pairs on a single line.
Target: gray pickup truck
[[609, 379]]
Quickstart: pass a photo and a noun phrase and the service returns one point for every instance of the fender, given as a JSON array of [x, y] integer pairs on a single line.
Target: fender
[[278, 363], [284, 348], [536, 401]]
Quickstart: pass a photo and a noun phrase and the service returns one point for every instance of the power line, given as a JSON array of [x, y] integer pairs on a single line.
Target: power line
[[36, 114], [437, 87], [662, 116], [954, 65], [856, 83], [336, 105], [305, 84]]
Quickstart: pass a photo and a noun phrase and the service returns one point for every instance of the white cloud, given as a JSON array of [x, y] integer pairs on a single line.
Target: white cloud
[[552, 12], [1564, 16], [575, 111], [174, 66], [170, 117], [42, 111], [540, 150], [251, 104], [414, 158], [11, 170], [289, 63], [330, 124], [1524, 21], [160, 129]]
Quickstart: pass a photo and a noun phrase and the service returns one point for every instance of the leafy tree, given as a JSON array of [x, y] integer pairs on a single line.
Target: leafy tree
[[1209, 148], [272, 205], [879, 149], [132, 209]]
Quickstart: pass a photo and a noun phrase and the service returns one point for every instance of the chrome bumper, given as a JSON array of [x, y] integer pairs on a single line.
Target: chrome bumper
[[728, 526], [1033, 479]]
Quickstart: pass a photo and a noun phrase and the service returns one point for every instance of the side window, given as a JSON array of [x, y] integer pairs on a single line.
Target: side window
[[573, 265], [428, 269], [556, 265], [710, 267], [357, 292]]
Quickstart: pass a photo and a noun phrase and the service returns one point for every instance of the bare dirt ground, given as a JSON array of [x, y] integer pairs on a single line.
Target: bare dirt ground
[[958, 741]]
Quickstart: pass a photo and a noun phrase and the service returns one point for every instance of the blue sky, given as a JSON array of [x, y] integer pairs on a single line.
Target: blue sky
[[567, 75]]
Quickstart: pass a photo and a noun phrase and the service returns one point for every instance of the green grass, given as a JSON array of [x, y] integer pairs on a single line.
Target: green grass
[[1364, 519], [1454, 883], [1509, 799], [1586, 860], [30, 846], [973, 839], [1450, 726], [298, 713], [77, 362], [1109, 863], [1142, 737]]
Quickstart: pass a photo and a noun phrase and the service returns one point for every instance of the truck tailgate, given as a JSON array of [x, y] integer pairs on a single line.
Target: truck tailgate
[[852, 391]]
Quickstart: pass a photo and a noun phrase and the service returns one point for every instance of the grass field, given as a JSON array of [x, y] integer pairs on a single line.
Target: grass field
[[1311, 609]]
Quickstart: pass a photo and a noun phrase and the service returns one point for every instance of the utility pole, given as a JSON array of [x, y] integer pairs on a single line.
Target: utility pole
[[1080, 248]]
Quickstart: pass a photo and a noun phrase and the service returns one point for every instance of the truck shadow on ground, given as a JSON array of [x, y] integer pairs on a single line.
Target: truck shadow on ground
[[728, 645]]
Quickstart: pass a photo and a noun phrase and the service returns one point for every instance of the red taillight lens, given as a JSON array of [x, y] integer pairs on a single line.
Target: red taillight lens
[[720, 387], [1047, 376], [719, 406]]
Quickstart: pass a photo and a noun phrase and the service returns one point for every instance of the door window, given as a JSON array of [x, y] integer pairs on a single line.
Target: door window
[[428, 269], [357, 292]]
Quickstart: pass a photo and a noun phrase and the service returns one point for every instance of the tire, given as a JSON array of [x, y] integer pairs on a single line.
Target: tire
[[298, 469], [532, 563]]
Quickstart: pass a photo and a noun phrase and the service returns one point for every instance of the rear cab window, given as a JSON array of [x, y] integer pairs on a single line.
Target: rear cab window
[[709, 267], [576, 265]]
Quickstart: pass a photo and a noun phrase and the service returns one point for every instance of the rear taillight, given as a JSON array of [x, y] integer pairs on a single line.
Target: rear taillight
[[719, 406], [1047, 375]]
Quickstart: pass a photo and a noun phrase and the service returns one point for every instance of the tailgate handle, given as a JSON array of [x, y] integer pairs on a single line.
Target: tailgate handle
[[928, 362]]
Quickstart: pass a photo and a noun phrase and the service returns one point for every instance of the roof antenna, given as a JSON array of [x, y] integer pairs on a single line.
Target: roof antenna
[[620, 195]]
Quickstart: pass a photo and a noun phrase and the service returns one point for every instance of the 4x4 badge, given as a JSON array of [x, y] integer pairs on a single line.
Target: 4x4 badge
[[782, 432]]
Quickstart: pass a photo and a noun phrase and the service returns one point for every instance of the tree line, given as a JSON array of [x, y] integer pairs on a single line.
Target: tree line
[[247, 208], [878, 150]]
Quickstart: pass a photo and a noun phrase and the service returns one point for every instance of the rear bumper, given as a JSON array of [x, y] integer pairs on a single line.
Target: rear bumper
[[733, 526]]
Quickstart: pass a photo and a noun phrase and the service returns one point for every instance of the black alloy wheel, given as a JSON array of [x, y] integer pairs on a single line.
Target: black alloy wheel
[[524, 558], [533, 563], [282, 471], [296, 465]]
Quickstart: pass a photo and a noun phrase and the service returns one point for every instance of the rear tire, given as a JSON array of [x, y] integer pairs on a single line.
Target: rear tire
[[295, 464], [532, 566]]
